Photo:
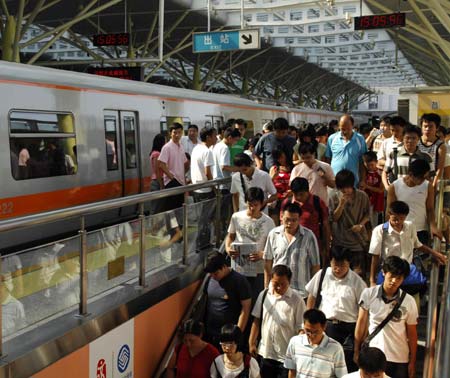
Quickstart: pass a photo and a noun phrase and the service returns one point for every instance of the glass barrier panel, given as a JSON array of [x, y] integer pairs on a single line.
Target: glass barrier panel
[[226, 210], [113, 256], [201, 225], [163, 239], [38, 284]]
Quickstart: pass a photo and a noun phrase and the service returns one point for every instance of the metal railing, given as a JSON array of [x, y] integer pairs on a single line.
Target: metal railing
[[431, 365], [83, 211]]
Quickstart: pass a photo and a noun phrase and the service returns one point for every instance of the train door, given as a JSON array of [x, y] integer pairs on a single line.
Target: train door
[[122, 150]]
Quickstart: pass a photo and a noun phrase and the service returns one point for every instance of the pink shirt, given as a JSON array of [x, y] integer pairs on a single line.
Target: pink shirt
[[174, 156], [153, 160], [317, 184]]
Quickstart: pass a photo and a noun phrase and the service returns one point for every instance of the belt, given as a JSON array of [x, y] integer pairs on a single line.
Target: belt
[[336, 321]]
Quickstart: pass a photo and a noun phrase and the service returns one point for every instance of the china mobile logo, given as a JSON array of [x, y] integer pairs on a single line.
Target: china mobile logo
[[123, 358], [101, 368]]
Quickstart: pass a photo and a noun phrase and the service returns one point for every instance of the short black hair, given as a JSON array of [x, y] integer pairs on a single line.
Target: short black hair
[[240, 121], [431, 117], [411, 129], [345, 179], [253, 141], [299, 185], [398, 208], [231, 333], [322, 131], [396, 266], [293, 128], [293, 208], [255, 194], [341, 254], [398, 121], [419, 168], [281, 124], [307, 148], [175, 126], [282, 270], [314, 316], [372, 360], [193, 327], [386, 120], [215, 262], [242, 160], [205, 132], [192, 126], [268, 126], [276, 154], [230, 132], [369, 156]]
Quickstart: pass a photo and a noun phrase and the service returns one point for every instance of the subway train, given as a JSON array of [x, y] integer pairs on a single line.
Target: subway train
[[71, 138]]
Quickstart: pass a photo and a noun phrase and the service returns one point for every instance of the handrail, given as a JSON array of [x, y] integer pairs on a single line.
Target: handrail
[[432, 313], [170, 348], [96, 207]]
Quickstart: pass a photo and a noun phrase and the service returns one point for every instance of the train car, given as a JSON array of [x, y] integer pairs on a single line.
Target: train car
[[71, 138]]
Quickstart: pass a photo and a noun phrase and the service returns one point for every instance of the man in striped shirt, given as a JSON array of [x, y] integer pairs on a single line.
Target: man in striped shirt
[[313, 353], [397, 163]]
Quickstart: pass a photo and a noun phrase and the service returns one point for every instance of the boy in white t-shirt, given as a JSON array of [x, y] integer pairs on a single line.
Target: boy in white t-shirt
[[372, 363], [398, 338], [397, 237], [250, 226]]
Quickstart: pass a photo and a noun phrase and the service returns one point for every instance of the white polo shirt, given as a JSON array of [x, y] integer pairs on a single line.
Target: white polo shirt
[[395, 243], [282, 319], [201, 158], [340, 297], [392, 339], [357, 374], [260, 179]]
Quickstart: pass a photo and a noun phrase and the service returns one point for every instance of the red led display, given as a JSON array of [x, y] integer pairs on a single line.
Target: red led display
[[380, 21], [128, 73], [118, 39]]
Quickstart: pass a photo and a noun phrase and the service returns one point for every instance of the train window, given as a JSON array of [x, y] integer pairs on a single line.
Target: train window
[[129, 126], [43, 144], [111, 142], [214, 121]]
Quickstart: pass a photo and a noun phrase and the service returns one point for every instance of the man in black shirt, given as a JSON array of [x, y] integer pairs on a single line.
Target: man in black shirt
[[229, 298]]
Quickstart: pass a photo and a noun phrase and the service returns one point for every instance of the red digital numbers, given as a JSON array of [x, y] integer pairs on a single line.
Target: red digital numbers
[[380, 21], [117, 39]]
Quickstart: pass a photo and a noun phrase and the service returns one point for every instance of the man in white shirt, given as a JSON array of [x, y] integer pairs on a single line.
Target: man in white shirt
[[319, 174], [250, 177], [398, 338], [190, 140], [278, 316], [397, 126], [202, 161], [339, 293], [372, 363]]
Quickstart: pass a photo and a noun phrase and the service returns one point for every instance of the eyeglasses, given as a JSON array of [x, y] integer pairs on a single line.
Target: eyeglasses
[[227, 344], [312, 333]]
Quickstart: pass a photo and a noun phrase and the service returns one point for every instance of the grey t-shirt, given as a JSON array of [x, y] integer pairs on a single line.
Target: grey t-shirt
[[353, 214]]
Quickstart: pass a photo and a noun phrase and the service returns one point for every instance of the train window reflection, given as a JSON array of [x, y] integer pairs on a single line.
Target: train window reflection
[[43, 144], [130, 140], [111, 142]]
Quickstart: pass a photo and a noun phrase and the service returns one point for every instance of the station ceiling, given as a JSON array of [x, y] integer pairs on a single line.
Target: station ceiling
[[309, 51]]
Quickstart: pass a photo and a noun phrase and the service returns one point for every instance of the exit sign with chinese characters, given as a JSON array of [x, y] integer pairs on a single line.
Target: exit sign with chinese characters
[[380, 21], [226, 40]]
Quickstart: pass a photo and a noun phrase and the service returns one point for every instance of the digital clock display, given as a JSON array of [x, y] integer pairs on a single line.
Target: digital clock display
[[118, 39], [380, 21], [128, 73]]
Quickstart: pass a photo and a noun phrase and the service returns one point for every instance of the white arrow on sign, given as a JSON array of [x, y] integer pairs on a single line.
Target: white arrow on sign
[[249, 39]]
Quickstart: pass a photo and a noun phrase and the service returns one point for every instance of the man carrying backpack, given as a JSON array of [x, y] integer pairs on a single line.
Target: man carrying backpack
[[314, 214]]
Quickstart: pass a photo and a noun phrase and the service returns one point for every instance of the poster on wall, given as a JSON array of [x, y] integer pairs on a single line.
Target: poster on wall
[[111, 356]]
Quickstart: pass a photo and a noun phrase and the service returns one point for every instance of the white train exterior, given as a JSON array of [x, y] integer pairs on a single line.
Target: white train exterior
[[46, 110]]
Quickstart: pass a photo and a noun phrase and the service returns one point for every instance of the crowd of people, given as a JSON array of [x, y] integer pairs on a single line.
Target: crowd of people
[[323, 265]]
